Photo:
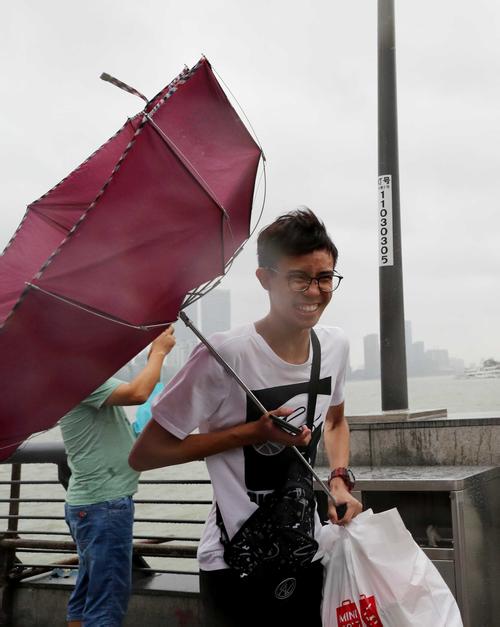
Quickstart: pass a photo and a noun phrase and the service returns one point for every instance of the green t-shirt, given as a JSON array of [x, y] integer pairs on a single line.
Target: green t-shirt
[[98, 439]]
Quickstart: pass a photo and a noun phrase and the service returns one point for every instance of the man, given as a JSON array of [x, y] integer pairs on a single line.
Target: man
[[244, 451], [99, 508]]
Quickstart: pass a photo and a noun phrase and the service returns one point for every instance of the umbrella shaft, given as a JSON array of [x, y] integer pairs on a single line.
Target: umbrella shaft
[[252, 397]]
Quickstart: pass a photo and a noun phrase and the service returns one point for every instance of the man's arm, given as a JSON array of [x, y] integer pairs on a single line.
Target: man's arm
[[138, 390], [156, 447], [336, 438]]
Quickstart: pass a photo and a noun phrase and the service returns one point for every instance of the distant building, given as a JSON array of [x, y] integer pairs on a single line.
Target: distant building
[[437, 361], [185, 339], [417, 365], [419, 361], [410, 348], [182, 332], [372, 356], [215, 312], [210, 314], [408, 344]]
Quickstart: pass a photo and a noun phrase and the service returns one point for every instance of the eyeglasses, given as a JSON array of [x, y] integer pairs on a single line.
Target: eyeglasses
[[301, 282]]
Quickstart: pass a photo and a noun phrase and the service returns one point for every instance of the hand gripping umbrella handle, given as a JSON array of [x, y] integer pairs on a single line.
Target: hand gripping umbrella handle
[[252, 397]]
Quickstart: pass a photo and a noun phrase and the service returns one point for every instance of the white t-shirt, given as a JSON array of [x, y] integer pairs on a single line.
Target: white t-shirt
[[203, 396]]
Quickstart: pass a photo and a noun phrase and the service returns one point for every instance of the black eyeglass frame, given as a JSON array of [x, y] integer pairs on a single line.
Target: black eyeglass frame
[[311, 279]]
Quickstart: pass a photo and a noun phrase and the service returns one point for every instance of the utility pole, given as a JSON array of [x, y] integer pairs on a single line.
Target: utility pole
[[392, 320]]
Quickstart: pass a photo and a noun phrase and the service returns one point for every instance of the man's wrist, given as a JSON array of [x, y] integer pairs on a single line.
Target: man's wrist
[[244, 434], [336, 484], [342, 475], [161, 354]]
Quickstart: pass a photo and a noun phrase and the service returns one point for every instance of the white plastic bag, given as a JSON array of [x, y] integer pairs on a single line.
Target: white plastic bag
[[376, 575]]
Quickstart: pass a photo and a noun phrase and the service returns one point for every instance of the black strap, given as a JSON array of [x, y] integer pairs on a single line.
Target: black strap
[[224, 538], [314, 379], [311, 450]]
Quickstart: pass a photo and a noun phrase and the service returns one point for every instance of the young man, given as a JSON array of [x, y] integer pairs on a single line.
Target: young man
[[245, 453], [99, 508]]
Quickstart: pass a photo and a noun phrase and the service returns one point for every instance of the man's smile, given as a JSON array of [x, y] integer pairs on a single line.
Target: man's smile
[[307, 308]]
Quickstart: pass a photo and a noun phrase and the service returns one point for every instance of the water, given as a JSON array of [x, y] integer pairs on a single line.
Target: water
[[458, 396]]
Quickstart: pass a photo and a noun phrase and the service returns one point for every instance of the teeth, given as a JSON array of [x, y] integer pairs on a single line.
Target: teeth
[[307, 308]]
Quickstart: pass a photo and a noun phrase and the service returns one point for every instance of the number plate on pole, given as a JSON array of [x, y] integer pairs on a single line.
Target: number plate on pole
[[385, 243]]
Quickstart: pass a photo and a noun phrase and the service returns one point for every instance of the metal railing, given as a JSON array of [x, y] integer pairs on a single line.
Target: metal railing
[[38, 539]]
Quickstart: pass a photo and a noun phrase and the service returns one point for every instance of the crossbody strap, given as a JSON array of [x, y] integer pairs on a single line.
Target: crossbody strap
[[311, 450], [314, 379]]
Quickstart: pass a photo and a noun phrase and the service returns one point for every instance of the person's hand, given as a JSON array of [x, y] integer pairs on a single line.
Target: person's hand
[[267, 431], [164, 343], [343, 497]]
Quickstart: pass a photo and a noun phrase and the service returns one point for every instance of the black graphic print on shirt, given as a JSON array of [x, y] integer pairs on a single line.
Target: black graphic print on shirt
[[266, 464]]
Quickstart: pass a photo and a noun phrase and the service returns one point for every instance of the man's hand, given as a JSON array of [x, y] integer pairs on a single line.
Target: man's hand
[[267, 431], [342, 496], [164, 343]]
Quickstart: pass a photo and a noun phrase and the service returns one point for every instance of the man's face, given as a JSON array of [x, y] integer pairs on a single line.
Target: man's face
[[299, 310]]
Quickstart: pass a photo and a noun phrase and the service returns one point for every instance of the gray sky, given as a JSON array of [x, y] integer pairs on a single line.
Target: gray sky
[[305, 74]]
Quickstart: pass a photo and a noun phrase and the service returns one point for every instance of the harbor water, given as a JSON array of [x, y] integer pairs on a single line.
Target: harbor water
[[461, 397]]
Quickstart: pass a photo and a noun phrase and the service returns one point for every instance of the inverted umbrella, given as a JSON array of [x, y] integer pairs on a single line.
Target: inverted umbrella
[[102, 261]]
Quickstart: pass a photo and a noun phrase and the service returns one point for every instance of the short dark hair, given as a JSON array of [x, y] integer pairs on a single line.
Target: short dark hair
[[297, 232]]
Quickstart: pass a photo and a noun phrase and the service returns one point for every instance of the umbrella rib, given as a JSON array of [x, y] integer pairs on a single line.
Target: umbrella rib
[[257, 140], [187, 164], [200, 291], [50, 220], [196, 175], [95, 312]]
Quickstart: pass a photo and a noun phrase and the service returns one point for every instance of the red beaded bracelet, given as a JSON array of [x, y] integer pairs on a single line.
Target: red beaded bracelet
[[345, 474]]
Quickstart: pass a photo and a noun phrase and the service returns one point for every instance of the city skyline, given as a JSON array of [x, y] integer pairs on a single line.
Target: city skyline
[[212, 313], [419, 361]]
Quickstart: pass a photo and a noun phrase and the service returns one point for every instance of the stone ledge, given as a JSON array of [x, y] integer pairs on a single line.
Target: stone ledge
[[398, 415]]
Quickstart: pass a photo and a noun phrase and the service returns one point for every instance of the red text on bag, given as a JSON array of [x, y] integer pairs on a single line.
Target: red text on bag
[[348, 615], [369, 613]]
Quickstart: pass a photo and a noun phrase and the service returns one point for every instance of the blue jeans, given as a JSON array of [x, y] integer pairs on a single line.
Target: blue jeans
[[103, 536]]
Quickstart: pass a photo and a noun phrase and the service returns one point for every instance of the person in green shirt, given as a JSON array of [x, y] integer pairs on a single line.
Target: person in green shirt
[[99, 509]]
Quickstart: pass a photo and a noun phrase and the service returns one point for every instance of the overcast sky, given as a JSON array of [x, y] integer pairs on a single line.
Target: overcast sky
[[305, 74]]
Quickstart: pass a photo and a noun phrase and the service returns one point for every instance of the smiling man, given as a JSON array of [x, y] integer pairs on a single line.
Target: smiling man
[[247, 455]]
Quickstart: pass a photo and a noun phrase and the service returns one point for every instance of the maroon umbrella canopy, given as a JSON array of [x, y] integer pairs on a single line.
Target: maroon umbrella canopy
[[113, 249]]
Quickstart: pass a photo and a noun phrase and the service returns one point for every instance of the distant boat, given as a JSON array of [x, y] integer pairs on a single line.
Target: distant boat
[[489, 369]]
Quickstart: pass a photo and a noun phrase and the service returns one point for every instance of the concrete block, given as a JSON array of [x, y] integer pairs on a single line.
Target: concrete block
[[440, 445]]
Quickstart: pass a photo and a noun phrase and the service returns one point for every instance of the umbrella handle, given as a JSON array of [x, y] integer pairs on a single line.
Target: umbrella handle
[[183, 316]]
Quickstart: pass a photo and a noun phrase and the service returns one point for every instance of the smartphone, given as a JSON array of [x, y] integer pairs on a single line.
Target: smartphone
[[286, 426]]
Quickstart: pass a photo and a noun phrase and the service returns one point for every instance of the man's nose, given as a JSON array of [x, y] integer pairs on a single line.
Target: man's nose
[[313, 287]]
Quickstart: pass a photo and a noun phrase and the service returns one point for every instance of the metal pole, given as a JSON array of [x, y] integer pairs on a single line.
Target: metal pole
[[392, 324]]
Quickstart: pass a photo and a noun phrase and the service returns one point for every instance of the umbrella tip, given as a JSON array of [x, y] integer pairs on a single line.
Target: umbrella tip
[[117, 83]]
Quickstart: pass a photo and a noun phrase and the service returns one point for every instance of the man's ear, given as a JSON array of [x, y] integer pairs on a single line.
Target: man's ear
[[262, 275]]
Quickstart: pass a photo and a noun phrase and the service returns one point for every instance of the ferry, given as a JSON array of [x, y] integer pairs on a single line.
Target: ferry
[[489, 369]]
